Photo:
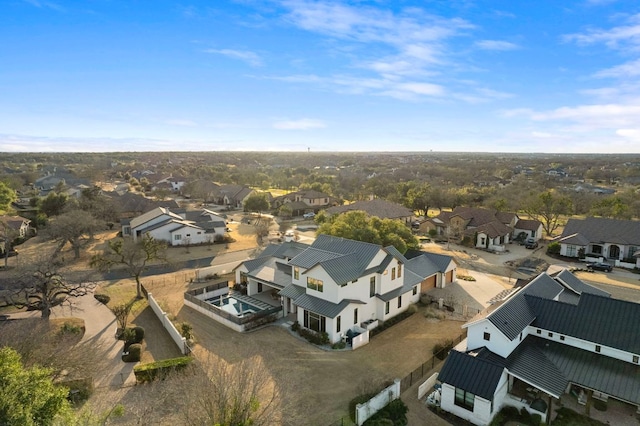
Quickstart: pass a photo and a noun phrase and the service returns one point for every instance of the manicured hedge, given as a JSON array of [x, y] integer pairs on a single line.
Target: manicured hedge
[[159, 369]]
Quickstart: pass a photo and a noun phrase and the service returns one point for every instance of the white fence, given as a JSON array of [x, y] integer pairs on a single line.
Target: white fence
[[427, 385], [168, 325], [378, 402], [361, 339]]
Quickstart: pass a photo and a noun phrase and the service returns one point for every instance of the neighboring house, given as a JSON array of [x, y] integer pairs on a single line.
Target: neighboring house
[[130, 205], [12, 227], [596, 238], [339, 286], [557, 172], [485, 228], [378, 208], [305, 201], [46, 184], [552, 337], [233, 195], [194, 227]]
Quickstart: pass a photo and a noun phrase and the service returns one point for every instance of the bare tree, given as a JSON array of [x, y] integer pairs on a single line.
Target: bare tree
[[135, 256], [42, 284], [76, 227]]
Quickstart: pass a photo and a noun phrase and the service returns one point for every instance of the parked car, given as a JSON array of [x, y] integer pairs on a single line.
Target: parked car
[[599, 266], [309, 215], [530, 243]]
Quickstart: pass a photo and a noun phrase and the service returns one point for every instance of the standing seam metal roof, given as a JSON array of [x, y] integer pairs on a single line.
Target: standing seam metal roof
[[476, 375]]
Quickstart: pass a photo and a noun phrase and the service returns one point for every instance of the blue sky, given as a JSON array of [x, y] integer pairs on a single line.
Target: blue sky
[[292, 75]]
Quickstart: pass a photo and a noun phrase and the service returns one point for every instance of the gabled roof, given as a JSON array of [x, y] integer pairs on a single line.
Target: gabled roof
[[14, 222], [292, 291], [152, 214], [441, 261], [575, 284], [528, 224], [473, 374], [574, 239], [379, 208], [601, 230], [275, 273], [492, 229]]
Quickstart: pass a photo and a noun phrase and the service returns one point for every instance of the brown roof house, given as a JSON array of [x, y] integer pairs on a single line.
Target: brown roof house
[[484, 228]]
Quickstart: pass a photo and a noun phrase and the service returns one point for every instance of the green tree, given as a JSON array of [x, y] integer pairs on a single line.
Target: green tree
[[418, 199], [135, 256], [611, 207], [7, 196], [28, 395], [548, 207], [256, 203], [53, 204], [357, 225]]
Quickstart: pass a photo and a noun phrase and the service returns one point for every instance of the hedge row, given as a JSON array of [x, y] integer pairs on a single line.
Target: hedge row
[[160, 369]]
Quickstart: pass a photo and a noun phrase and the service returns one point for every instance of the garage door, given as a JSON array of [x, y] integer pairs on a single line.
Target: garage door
[[428, 284], [448, 277]]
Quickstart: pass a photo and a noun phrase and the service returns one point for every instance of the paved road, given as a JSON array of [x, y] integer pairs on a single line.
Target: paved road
[[118, 274]]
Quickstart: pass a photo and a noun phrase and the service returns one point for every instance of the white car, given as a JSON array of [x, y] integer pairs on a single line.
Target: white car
[[309, 215]]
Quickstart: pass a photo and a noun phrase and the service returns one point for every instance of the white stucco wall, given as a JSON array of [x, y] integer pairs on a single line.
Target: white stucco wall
[[498, 342], [481, 414]]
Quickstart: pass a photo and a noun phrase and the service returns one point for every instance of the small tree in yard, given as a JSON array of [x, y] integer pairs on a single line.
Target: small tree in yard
[[134, 256], [76, 227], [121, 313]]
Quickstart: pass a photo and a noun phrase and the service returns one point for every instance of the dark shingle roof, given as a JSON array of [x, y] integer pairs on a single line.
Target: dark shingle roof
[[379, 208], [473, 374], [575, 284], [599, 230], [528, 224]]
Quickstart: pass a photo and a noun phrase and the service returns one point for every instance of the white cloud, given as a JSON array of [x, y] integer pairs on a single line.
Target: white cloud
[[249, 57], [615, 37], [633, 134], [301, 124], [496, 45], [629, 69]]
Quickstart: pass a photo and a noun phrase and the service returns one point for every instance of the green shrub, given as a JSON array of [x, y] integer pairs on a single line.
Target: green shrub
[[132, 353], [553, 248], [339, 345], [68, 328], [134, 335], [510, 412], [390, 322], [441, 349], [412, 308], [102, 298], [186, 330], [525, 416], [536, 419], [434, 313], [160, 369], [394, 413], [313, 337]]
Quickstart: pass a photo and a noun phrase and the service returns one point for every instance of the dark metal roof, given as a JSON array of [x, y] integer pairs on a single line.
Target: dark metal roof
[[321, 306], [575, 284], [311, 257], [395, 253], [602, 320], [275, 274], [515, 314], [552, 365], [473, 374], [292, 291], [600, 230]]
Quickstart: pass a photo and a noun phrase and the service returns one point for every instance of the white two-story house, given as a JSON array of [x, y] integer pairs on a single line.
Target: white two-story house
[[335, 284], [554, 336]]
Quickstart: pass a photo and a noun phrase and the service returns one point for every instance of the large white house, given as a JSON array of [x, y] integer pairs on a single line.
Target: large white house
[[184, 228], [554, 336], [335, 285]]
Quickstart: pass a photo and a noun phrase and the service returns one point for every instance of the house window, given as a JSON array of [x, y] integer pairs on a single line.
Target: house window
[[572, 251], [415, 290], [550, 334], [338, 324], [635, 359], [188, 235], [393, 273], [399, 302], [315, 322], [596, 249], [177, 237], [314, 284], [487, 336], [399, 270], [521, 337], [372, 286], [355, 316], [296, 273], [386, 308], [464, 399], [632, 251], [538, 331], [598, 348], [561, 337], [259, 287], [243, 278]]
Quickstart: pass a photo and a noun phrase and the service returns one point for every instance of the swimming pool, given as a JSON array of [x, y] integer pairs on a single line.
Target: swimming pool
[[234, 306]]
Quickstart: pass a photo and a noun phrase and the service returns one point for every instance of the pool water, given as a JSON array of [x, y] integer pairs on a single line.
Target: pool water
[[233, 306]]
